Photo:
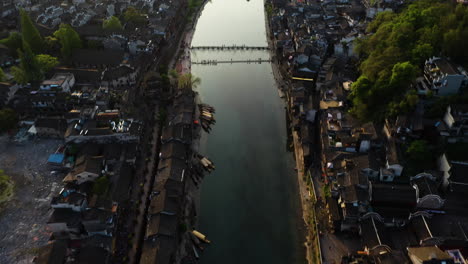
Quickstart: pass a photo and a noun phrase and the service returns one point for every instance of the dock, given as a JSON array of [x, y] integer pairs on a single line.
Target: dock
[[206, 117]]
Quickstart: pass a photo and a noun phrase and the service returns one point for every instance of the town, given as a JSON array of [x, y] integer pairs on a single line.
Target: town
[[104, 132], [375, 189], [86, 86]]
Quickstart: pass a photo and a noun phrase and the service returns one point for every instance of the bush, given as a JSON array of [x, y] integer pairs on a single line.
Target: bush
[[101, 185], [6, 187]]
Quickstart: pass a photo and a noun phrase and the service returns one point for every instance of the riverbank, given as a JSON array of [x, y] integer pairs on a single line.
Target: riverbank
[[307, 198]]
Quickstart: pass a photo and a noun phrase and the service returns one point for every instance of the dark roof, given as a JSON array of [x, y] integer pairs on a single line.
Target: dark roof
[[446, 66], [459, 172], [73, 198], [96, 214], [53, 253], [83, 75], [373, 232], [174, 149], [60, 215], [420, 226], [426, 186], [97, 241], [158, 250], [91, 164], [164, 202], [184, 118], [353, 193], [121, 71], [396, 195], [121, 187], [180, 133], [161, 224], [93, 255], [171, 168], [112, 151], [54, 123], [97, 57]]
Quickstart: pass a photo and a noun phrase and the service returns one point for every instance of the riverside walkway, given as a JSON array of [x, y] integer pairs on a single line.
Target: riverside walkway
[[230, 47]]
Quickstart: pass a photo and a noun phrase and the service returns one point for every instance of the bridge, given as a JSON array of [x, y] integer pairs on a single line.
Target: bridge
[[231, 47], [215, 62]]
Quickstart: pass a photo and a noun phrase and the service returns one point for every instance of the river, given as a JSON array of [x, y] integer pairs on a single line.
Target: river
[[249, 207]]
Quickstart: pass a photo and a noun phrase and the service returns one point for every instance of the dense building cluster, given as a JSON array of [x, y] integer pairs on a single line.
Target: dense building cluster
[[124, 196], [381, 192]]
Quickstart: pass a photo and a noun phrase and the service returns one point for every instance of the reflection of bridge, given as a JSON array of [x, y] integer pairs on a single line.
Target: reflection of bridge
[[214, 62], [233, 47]]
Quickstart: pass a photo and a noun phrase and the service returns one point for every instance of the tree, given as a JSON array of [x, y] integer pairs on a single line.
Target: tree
[[13, 43], [29, 69], [398, 46], [101, 185], [112, 24], [6, 187], [46, 62], [52, 43], [402, 75], [418, 156], [131, 15], [188, 81], [8, 119], [30, 33], [69, 40], [2, 75]]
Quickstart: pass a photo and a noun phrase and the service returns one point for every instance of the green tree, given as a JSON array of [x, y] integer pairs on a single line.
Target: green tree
[[8, 119], [52, 43], [392, 55], [46, 62], [421, 52], [2, 75], [131, 15], [112, 24], [13, 43], [188, 81], [29, 69], [402, 74], [101, 185], [30, 33], [6, 187], [69, 40], [418, 156]]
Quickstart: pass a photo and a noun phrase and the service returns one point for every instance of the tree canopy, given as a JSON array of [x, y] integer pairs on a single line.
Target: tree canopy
[[188, 81], [46, 62], [2, 75], [112, 24], [29, 69], [418, 155], [13, 42], [8, 119], [30, 33], [32, 67], [131, 15], [101, 185], [395, 50], [6, 187], [69, 40]]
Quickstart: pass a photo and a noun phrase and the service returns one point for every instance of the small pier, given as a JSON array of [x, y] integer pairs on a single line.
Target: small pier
[[230, 47], [206, 116], [215, 62], [206, 164]]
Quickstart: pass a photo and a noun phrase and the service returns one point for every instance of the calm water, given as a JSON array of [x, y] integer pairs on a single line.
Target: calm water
[[249, 205]]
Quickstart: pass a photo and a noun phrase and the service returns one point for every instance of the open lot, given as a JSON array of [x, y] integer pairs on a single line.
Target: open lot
[[23, 218]]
